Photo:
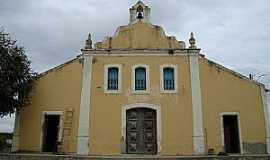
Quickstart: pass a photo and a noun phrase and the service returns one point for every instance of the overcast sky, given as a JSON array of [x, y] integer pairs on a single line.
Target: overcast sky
[[233, 33]]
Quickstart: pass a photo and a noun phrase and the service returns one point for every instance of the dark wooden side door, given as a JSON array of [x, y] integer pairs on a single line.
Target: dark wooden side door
[[141, 131], [231, 134], [50, 133]]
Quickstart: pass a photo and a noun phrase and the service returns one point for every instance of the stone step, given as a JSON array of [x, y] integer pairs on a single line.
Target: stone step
[[127, 157]]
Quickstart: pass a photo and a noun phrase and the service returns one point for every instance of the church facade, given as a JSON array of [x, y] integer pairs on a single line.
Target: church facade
[[143, 92]]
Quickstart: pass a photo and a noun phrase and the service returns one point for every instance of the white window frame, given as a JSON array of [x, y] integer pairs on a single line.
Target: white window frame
[[175, 72], [106, 68], [147, 91]]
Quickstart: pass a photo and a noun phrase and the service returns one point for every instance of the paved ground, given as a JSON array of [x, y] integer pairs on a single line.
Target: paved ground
[[128, 157]]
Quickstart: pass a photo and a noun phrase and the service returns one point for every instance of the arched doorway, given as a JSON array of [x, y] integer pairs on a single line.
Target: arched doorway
[[141, 129]]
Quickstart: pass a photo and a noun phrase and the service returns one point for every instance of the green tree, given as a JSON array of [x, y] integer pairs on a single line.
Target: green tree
[[16, 76]]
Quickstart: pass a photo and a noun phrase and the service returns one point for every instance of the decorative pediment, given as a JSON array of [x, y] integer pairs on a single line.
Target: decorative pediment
[[140, 36]]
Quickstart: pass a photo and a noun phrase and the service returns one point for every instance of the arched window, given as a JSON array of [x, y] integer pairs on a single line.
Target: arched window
[[168, 78], [140, 78], [112, 83]]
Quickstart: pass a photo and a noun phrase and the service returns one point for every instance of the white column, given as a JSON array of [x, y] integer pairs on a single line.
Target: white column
[[266, 117], [84, 119], [16, 133], [198, 131]]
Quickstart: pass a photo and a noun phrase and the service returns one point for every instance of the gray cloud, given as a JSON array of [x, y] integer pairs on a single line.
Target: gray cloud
[[233, 33]]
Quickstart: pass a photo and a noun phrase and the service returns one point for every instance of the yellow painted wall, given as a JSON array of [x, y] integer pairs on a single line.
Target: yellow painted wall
[[225, 92], [222, 91], [176, 110], [58, 90]]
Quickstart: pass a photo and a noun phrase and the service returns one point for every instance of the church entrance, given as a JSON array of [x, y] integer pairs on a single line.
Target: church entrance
[[50, 133], [141, 131]]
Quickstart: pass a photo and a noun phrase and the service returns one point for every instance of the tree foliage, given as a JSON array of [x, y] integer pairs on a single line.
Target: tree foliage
[[16, 76]]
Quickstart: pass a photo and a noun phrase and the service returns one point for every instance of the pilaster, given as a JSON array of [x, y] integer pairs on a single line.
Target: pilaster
[[198, 131], [266, 117], [84, 117], [16, 133]]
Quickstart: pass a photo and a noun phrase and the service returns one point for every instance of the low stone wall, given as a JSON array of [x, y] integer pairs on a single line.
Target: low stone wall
[[74, 157], [254, 148]]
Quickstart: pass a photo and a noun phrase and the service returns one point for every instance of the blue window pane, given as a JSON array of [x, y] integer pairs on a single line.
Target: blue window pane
[[168, 76], [140, 79], [112, 79]]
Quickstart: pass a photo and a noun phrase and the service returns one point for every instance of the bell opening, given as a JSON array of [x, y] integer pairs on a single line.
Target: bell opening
[[140, 12], [140, 15]]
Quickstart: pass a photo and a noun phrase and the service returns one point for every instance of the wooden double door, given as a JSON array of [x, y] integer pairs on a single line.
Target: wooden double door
[[141, 131]]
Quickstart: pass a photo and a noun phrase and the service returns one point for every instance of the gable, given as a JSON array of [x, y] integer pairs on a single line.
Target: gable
[[140, 36]]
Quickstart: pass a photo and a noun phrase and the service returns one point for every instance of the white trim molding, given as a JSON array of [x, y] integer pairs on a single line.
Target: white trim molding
[[106, 67], [198, 131], [84, 116], [123, 124], [16, 134], [239, 128], [266, 117], [60, 131], [175, 71], [147, 91]]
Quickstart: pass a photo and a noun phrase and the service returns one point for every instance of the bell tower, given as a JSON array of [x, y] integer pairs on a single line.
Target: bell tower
[[139, 12]]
